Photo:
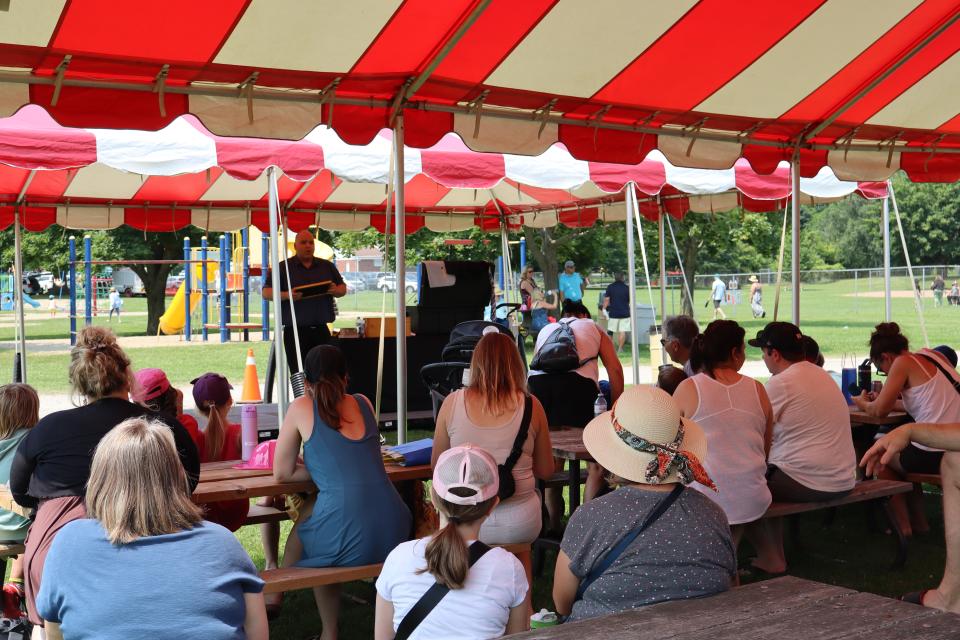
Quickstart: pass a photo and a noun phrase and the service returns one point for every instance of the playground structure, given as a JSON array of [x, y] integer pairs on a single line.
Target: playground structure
[[220, 272]]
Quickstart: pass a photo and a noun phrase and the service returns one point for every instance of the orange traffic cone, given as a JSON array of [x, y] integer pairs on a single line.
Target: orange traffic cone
[[251, 384]]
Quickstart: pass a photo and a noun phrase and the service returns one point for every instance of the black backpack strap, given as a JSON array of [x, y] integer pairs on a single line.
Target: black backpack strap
[[950, 378], [521, 435], [621, 546], [432, 598]]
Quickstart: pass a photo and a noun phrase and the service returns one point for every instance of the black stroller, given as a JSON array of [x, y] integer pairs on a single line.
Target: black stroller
[[445, 377]]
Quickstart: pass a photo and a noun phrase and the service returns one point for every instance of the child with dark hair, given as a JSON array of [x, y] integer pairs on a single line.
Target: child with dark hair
[[487, 597]]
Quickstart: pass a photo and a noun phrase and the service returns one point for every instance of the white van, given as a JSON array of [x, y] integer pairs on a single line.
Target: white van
[[127, 282]]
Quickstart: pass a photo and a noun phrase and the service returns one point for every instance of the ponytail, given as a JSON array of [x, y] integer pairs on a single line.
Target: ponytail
[[447, 554], [715, 345], [328, 392], [887, 338], [696, 353], [214, 433]]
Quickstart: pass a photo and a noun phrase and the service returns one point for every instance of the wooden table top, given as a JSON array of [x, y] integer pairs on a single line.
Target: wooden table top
[[219, 481], [893, 419], [785, 608], [568, 444]]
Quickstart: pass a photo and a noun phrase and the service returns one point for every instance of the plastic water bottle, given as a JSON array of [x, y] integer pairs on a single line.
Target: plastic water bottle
[[248, 430], [600, 405]]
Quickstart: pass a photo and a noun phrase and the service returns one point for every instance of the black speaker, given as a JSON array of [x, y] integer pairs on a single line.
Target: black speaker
[[473, 286]]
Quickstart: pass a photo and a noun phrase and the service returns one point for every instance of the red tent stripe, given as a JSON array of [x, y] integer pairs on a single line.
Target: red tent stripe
[[728, 36]]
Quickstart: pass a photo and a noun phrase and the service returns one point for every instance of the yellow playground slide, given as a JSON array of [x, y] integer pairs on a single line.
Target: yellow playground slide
[[173, 318]]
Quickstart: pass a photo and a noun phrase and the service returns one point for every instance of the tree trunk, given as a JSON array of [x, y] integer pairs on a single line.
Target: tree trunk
[[541, 244], [690, 247], [154, 277]]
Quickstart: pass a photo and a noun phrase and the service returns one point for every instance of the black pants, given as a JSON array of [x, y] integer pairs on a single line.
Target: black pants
[[310, 337]]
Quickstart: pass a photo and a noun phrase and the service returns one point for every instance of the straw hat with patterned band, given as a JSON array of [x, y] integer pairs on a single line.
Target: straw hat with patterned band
[[643, 439]]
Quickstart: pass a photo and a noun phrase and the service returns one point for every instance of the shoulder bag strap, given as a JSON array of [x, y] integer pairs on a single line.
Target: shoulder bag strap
[[432, 598], [614, 553], [950, 378], [521, 435]]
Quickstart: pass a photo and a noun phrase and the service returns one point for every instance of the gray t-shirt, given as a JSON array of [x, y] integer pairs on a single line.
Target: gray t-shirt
[[686, 553]]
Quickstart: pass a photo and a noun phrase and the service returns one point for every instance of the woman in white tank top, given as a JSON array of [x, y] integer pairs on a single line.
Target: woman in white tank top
[[926, 393], [736, 417], [487, 414]]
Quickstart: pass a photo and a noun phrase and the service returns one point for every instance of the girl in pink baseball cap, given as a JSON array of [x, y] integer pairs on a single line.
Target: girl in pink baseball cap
[[486, 587]]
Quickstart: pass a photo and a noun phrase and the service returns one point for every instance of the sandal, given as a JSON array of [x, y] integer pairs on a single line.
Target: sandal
[[915, 597], [756, 573]]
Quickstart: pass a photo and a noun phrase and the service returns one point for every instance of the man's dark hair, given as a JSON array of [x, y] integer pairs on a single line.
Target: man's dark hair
[[682, 328], [618, 276], [575, 309]]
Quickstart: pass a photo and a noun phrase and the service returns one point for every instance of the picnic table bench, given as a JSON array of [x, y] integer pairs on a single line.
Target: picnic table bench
[[785, 608]]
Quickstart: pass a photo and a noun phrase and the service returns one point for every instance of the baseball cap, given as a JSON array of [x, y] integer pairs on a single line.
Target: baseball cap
[[782, 336], [568, 263], [466, 475], [151, 383], [211, 388]]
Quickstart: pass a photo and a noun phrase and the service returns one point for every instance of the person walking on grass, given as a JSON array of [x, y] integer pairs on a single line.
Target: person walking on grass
[[616, 302], [717, 293], [756, 298]]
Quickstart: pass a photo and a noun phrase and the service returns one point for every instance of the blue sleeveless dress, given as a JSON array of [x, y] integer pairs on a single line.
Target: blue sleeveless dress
[[359, 517]]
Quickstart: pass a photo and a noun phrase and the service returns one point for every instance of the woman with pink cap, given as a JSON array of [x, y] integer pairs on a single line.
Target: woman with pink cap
[[482, 590]]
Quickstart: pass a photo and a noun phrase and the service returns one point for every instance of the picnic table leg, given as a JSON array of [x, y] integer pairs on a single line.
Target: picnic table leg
[[902, 540], [573, 483]]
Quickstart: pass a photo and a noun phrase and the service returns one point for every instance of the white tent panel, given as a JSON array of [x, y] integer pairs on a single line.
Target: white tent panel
[[86, 218], [714, 203], [177, 148], [229, 116], [863, 165], [496, 135], [825, 185], [336, 221], [540, 219], [100, 181], [554, 169], [220, 219], [465, 198], [615, 212], [361, 193], [362, 163], [929, 103], [512, 196], [448, 223], [226, 188], [698, 154]]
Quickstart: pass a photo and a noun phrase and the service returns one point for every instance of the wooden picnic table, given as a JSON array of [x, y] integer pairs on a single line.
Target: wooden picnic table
[[892, 419], [785, 608], [220, 481]]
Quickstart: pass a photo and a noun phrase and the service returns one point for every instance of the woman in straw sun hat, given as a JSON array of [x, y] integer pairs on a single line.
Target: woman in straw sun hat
[[651, 525]]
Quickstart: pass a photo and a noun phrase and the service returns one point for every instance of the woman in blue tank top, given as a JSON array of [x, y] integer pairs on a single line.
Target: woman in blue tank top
[[358, 516]]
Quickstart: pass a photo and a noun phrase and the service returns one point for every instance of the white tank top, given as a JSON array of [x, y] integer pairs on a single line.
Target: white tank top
[[497, 440], [935, 400], [733, 420]]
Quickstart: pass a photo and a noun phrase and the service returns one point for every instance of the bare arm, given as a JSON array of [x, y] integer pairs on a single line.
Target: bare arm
[[441, 439], [940, 436], [255, 622], [383, 620], [516, 623], [338, 290], [606, 302], [52, 630], [267, 292], [608, 356], [687, 398], [285, 467], [884, 403], [768, 412], [565, 585], [542, 448]]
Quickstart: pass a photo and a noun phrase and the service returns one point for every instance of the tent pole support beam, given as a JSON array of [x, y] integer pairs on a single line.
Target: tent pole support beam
[[400, 245], [489, 111], [18, 294], [795, 240], [887, 295], [661, 248], [632, 281], [281, 360]]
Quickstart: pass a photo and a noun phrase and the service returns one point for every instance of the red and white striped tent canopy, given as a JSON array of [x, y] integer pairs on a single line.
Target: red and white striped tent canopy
[[862, 86], [183, 174]]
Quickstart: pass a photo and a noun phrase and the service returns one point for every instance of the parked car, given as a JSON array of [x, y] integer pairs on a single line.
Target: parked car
[[355, 281], [173, 283], [370, 278], [389, 282]]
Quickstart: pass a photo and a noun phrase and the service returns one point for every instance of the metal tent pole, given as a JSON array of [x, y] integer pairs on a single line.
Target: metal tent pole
[[401, 302], [18, 293], [795, 241], [632, 281], [887, 296], [73, 290], [283, 380], [187, 289], [661, 247]]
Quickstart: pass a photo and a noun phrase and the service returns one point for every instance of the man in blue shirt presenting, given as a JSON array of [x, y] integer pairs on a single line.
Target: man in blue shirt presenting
[[571, 284], [616, 302]]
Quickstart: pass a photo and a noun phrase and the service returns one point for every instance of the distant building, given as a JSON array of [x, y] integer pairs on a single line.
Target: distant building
[[367, 259]]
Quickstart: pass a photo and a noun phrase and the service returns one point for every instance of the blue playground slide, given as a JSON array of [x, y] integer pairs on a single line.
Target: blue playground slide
[[30, 301]]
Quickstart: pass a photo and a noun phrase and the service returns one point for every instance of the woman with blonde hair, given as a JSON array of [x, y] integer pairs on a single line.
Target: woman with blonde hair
[[358, 516], [496, 413], [19, 412], [485, 589], [52, 464], [142, 530]]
